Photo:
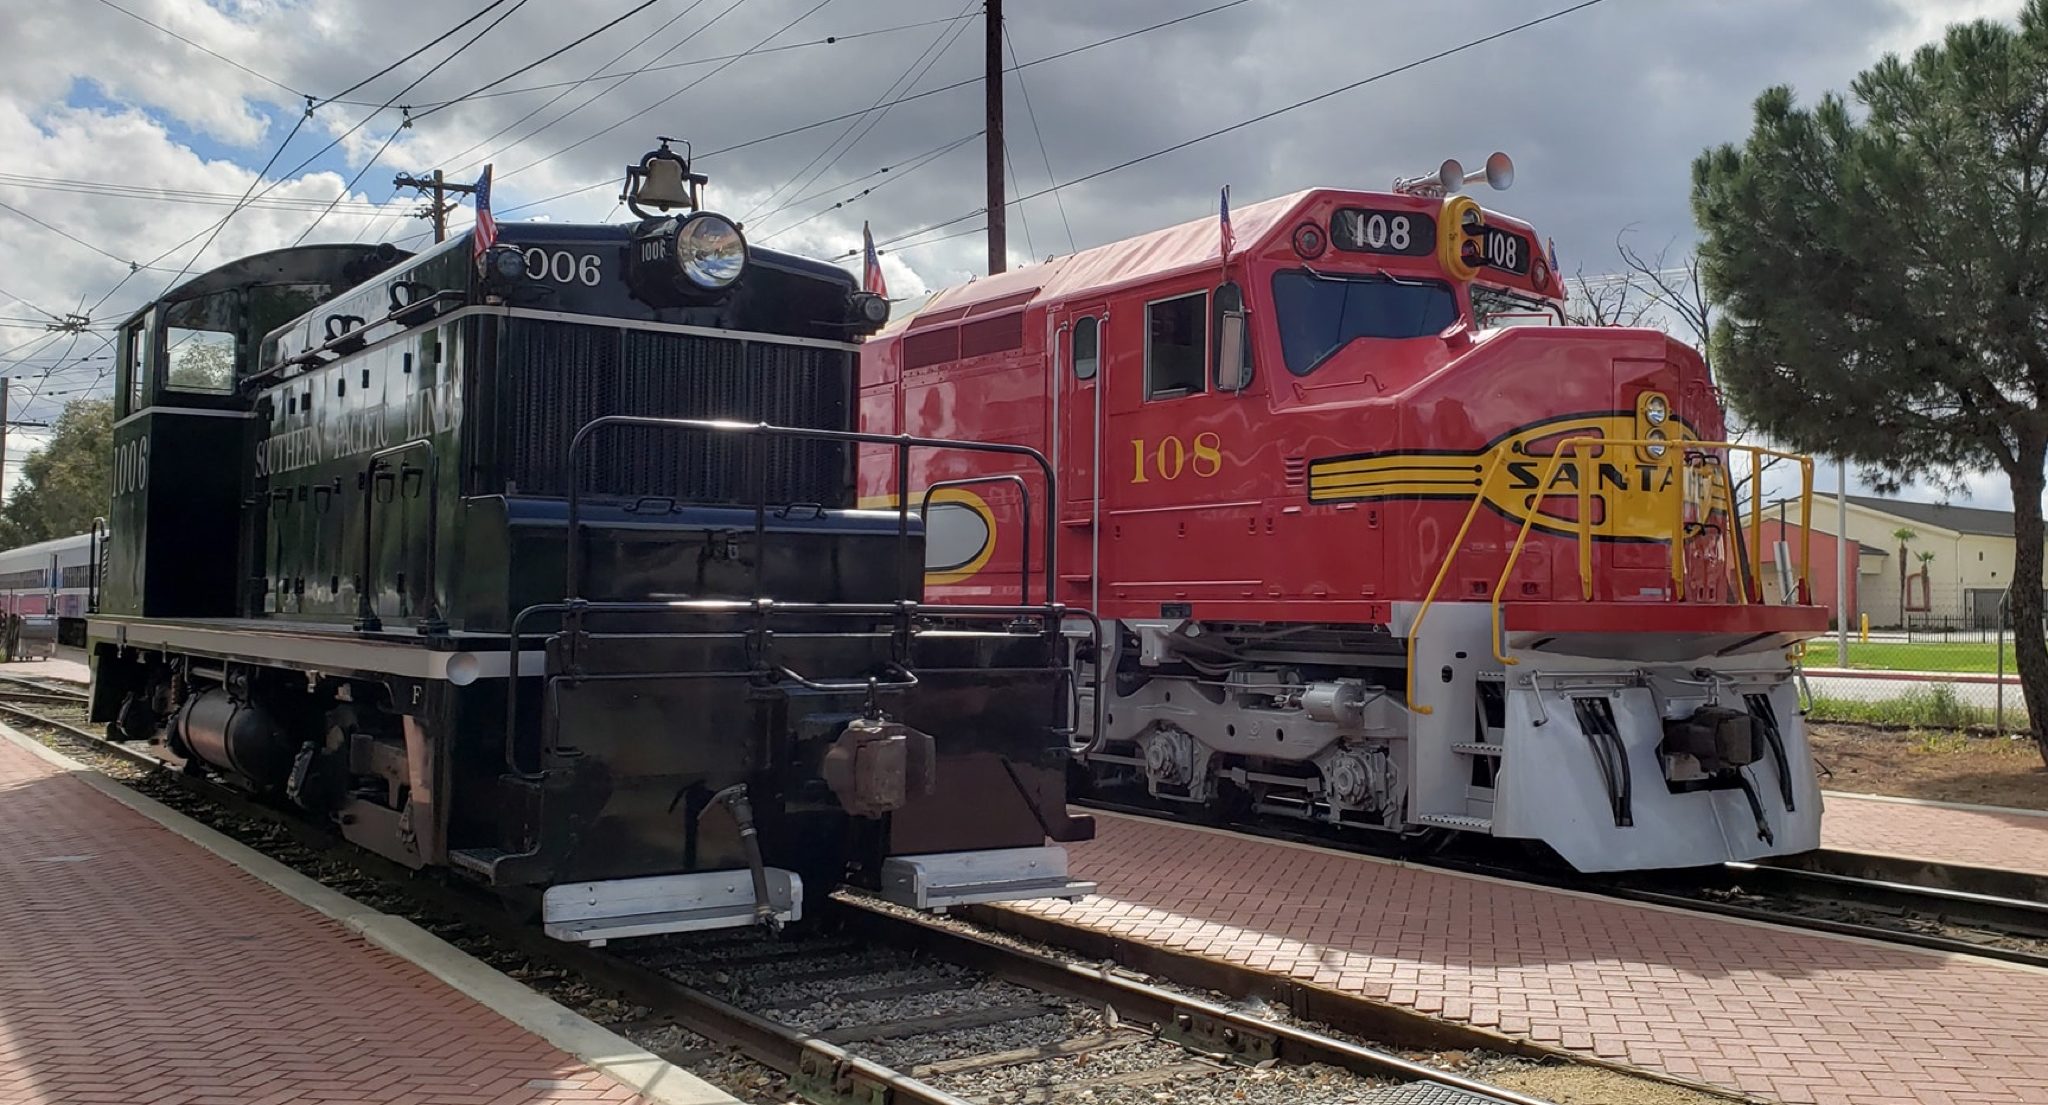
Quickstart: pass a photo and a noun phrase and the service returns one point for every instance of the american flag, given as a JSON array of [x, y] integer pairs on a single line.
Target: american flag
[[1229, 239], [486, 226], [871, 265]]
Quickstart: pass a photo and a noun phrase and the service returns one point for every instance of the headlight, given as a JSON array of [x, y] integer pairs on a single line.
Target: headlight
[[870, 308], [507, 262], [1656, 443], [710, 251], [1656, 411]]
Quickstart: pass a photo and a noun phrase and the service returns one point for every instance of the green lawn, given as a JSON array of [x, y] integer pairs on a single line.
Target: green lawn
[[1960, 656]]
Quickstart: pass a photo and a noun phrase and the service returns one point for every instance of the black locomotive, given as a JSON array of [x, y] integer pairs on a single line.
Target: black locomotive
[[541, 562]]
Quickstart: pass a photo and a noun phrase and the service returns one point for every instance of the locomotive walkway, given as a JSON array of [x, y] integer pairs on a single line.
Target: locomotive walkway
[[143, 966], [1792, 1016]]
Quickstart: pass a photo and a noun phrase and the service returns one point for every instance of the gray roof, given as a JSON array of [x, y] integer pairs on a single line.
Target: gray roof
[[1961, 519]]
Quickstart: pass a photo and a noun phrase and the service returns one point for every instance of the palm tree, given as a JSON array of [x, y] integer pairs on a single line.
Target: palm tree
[[1925, 557], [1904, 535]]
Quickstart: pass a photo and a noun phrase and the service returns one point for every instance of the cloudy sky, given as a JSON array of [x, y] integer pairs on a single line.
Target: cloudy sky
[[131, 144]]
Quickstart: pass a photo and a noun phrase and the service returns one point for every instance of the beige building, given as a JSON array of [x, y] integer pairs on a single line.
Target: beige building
[[1958, 559]]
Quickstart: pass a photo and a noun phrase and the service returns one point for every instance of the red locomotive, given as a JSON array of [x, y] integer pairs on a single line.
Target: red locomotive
[[1301, 482]]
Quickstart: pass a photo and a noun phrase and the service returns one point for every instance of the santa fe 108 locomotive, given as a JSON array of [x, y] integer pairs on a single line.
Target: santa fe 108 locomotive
[[1371, 556], [541, 562]]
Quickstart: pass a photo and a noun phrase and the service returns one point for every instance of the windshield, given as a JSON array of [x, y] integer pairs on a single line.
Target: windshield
[[1321, 313]]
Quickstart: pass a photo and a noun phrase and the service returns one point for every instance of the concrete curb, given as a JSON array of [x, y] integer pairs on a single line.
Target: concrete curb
[[1933, 803], [649, 1074]]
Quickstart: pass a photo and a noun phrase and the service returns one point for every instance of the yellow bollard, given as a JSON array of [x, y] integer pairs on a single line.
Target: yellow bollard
[[1863, 632]]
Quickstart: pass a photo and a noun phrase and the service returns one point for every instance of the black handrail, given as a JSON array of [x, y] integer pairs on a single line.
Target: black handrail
[[924, 511], [95, 536], [367, 620], [903, 444]]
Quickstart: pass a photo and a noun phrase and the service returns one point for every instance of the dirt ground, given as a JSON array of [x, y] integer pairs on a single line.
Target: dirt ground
[[1578, 1085], [1945, 766]]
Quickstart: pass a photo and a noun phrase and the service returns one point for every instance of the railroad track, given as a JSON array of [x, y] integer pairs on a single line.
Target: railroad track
[[1936, 914], [882, 1007]]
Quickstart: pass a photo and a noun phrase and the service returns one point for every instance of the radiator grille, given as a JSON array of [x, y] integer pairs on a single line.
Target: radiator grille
[[556, 377]]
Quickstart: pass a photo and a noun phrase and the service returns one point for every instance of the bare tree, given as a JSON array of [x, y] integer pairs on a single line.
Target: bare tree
[[1615, 300], [1664, 290]]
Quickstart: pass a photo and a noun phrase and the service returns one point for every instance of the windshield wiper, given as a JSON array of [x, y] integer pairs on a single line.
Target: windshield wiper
[[1370, 275]]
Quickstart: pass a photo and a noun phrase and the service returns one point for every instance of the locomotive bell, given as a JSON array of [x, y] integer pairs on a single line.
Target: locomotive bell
[[661, 182]]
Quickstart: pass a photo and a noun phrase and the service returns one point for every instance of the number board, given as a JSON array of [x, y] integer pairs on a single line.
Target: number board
[[1508, 250], [1367, 230]]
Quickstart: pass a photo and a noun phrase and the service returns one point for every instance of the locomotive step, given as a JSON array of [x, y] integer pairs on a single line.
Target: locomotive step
[[594, 912], [941, 879], [1456, 821], [1474, 748]]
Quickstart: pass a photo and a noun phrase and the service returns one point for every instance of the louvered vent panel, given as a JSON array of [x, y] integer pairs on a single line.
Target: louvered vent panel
[[931, 347], [994, 335], [560, 376]]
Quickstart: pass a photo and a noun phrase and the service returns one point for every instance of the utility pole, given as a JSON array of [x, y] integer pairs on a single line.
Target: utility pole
[[439, 206], [3, 431], [998, 245], [1842, 564]]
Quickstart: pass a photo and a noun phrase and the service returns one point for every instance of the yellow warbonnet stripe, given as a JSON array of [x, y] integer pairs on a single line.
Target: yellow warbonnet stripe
[[1632, 491]]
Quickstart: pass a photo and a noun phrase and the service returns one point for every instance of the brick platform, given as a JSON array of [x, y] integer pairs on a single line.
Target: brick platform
[[2013, 840], [141, 968], [1792, 1016]]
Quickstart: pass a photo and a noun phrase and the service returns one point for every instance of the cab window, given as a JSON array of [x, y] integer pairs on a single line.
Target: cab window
[[1087, 347], [134, 364], [199, 361], [199, 343], [1176, 346], [1229, 297]]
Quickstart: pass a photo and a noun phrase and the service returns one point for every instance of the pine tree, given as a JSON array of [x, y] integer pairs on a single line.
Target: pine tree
[[1884, 279]]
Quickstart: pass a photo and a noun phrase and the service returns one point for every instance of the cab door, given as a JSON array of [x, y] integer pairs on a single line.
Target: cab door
[[1184, 523], [1077, 449]]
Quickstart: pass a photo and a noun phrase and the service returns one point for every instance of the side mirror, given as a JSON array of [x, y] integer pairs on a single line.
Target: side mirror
[[1232, 373]]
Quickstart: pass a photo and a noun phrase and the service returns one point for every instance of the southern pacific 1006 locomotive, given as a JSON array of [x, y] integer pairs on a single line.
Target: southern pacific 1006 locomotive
[[1372, 557], [541, 562]]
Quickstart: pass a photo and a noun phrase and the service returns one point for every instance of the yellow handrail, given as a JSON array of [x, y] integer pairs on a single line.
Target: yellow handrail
[[1749, 574], [1444, 569]]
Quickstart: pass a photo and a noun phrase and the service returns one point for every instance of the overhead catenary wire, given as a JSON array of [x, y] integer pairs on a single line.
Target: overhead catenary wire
[[551, 101], [828, 40], [30, 306], [118, 190], [430, 44], [540, 61], [407, 122], [1274, 113], [1030, 113], [906, 80], [61, 232], [265, 77], [664, 101], [974, 81], [907, 167], [213, 232]]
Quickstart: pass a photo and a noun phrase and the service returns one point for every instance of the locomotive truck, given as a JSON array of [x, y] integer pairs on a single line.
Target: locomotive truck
[[1374, 551], [535, 557]]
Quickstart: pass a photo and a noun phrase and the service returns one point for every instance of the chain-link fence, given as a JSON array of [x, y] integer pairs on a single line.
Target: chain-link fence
[[1925, 654]]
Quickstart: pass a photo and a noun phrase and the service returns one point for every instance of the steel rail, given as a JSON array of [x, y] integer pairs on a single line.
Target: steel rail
[[818, 1069], [1180, 1017], [804, 1058]]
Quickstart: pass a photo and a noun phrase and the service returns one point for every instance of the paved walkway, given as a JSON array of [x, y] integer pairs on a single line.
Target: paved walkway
[[141, 968], [1980, 837], [1797, 1017], [68, 664]]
